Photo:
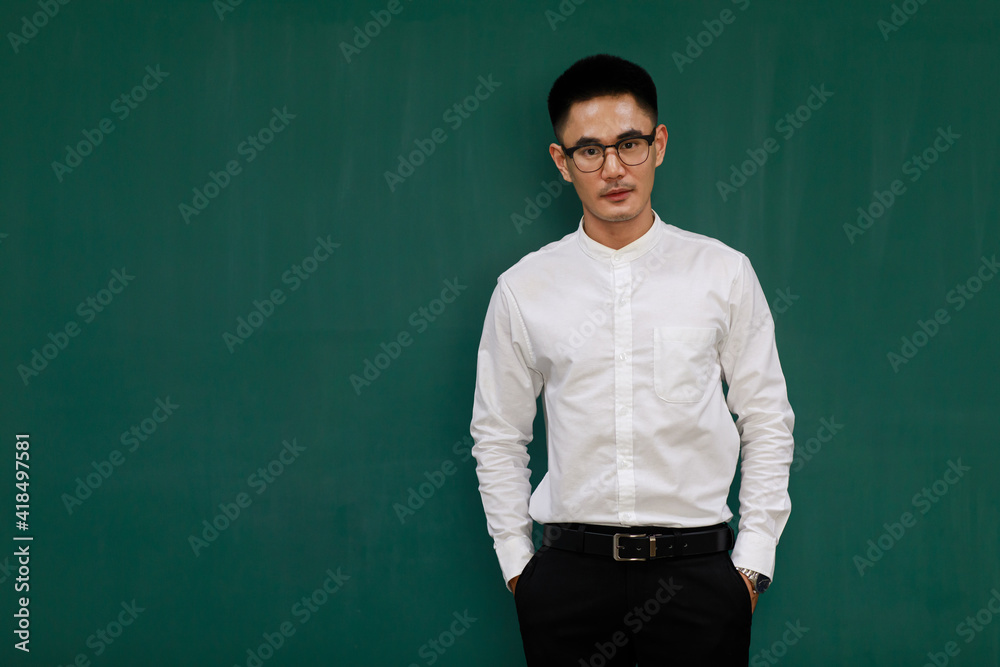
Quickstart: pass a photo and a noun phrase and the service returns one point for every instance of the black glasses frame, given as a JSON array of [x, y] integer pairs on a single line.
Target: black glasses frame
[[604, 150]]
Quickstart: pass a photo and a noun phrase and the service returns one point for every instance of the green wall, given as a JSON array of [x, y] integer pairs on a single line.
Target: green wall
[[301, 220]]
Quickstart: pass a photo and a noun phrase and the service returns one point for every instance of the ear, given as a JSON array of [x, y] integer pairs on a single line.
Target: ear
[[660, 142], [556, 151]]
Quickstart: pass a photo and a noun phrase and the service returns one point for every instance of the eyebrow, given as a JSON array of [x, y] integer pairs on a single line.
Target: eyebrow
[[624, 135]]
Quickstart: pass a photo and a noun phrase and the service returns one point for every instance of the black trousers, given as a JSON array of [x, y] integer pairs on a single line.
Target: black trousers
[[582, 610]]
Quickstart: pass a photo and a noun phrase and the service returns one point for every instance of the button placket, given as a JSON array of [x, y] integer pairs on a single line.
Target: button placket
[[622, 285]]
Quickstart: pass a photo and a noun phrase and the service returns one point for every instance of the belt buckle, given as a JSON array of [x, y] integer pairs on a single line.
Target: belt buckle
[[652, 546]]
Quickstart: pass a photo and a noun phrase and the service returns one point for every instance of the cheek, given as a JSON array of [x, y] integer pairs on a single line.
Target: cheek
[[584, 190], [644, 179]]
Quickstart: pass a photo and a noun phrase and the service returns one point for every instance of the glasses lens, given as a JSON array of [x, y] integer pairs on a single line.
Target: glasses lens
[[633, 151], [589, 157]]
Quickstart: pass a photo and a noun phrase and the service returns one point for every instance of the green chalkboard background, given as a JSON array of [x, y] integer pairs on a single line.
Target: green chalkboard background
[[899, 82]]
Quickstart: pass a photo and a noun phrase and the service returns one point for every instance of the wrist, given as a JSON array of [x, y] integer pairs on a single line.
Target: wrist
[[758, 581]]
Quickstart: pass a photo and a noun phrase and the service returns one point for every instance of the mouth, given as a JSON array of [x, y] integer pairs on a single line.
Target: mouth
[[618, 194]]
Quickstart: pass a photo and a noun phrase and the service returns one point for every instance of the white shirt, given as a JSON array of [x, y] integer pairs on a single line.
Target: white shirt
[[631, 348]]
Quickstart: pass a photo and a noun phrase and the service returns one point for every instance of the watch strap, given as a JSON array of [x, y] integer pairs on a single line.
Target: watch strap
[[759, 581]]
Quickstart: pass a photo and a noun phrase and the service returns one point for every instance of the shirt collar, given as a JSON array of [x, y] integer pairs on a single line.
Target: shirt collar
[[632, 251]]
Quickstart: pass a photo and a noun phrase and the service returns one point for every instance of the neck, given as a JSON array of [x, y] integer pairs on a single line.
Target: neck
[[617, 234]]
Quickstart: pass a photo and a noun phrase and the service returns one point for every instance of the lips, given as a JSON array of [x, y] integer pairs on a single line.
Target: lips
[[617, 194]]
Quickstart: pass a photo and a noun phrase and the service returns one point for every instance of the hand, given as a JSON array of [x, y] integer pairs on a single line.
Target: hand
[[513, 583], [753, 596]]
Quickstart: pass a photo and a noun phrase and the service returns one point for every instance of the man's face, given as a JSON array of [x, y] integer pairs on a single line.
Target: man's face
[[616, 192]]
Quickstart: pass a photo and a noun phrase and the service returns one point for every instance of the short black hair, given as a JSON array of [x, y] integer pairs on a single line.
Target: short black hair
[[596, 76]]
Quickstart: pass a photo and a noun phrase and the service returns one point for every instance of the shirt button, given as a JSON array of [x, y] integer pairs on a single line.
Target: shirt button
[[622, 301], [623, 411], [623, 356]]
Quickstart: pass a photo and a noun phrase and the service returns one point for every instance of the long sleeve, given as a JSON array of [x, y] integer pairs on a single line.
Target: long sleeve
[[758, 397], [503, 413]]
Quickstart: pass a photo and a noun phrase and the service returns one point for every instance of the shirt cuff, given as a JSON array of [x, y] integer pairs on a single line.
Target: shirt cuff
[[514, 554], [754, 552]]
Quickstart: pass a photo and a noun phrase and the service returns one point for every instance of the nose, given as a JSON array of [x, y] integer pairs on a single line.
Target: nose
[[613, 167]]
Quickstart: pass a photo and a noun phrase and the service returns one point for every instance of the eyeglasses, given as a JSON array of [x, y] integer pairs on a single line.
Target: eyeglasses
[[632, 151]]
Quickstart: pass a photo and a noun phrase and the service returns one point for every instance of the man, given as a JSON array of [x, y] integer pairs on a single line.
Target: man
[[630, 327]]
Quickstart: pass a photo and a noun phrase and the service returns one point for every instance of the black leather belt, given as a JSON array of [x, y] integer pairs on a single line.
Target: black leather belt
[[638, 542]]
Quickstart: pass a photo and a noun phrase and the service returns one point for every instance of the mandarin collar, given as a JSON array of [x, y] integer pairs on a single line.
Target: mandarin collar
[[632, 251]]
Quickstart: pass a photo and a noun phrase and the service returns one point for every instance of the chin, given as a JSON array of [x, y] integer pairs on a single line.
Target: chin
[[619, 215]]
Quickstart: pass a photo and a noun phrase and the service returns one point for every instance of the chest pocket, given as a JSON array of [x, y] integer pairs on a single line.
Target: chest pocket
[[683, 363]]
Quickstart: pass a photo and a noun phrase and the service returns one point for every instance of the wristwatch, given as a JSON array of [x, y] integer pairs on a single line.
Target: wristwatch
[[757, 580]]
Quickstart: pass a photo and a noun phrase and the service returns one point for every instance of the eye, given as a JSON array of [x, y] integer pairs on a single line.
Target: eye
[[628, 145], [589, 151]]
